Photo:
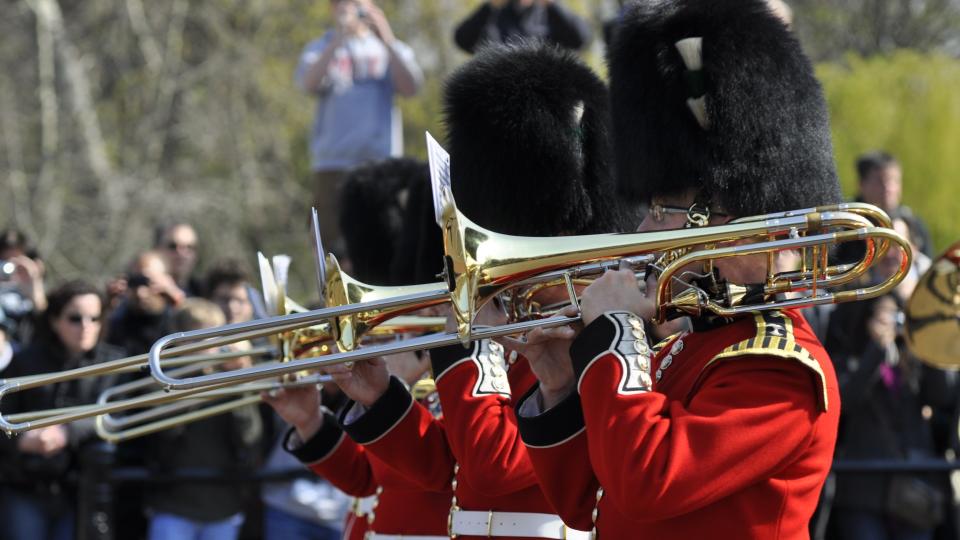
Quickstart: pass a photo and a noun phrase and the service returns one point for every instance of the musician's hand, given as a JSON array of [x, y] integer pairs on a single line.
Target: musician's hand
[[298, 406], [617, 290], [489, 315], [548, 351], [408, 366], [30, 443], [45, 441], [54, 439], [365, 382]]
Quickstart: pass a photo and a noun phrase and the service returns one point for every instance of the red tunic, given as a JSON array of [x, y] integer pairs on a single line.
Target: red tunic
[[478, 436], [734, 441], [402, 506]]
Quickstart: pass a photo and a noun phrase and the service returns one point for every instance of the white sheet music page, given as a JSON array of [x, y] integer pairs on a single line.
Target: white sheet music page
[[439, 176]]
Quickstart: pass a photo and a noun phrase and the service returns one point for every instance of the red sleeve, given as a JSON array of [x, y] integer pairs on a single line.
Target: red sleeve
[[403, 434], [658, 459], [335, 457], [480, 420], [557, 445]]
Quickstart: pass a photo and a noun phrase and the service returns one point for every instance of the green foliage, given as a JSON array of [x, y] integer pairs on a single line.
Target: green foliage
[[906, 103]]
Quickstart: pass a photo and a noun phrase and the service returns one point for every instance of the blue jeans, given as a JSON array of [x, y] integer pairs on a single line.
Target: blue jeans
[[28, 517], [279, 525], [173, 527], [866, 525]]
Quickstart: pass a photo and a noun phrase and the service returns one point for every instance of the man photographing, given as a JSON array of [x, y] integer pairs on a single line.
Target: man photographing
[[354, 70]]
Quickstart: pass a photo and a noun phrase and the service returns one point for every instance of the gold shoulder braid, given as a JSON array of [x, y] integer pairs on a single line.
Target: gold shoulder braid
[[774, 337]]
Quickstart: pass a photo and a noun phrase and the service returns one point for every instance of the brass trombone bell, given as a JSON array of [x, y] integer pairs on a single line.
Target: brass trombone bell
[[343, 290]]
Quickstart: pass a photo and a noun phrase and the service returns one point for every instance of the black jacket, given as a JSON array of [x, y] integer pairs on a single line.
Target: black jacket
[[52, 474], [883, 422]]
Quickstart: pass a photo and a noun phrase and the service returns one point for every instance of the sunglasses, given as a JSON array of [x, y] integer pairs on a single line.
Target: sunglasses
[[77, 319], [173, 246]]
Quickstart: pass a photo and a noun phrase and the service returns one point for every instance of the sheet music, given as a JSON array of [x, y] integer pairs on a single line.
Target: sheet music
[[439, 176]]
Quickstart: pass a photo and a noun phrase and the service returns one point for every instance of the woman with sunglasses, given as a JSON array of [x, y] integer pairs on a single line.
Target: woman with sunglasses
[[38, 494]]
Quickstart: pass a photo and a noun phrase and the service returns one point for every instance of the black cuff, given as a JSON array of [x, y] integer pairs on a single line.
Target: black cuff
[[553, 426], [382, 415], [442, 358], [320, 445], [597, 337]]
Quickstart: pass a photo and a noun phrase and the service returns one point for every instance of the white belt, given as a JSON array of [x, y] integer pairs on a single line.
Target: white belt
[[378, 536], [522, 524], [364, 505]]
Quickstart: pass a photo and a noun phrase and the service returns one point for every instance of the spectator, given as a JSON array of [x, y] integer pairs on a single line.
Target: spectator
[[888, 399], [503, 21], [354, 70], [225, 442], [178, 243], [39, 467], [228, 286], [149, 298], [21, 282], [881, 184]]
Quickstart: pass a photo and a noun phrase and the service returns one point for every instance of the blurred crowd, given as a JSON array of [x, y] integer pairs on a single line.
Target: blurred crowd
[[894, 407]]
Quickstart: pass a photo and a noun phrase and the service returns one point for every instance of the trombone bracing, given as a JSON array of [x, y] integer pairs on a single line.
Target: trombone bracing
[[481, 264]]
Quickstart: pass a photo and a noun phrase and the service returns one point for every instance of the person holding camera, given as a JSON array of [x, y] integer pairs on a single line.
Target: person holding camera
[[502, 21], [149, 298], [22, 293], [354, 70], [890, 411]]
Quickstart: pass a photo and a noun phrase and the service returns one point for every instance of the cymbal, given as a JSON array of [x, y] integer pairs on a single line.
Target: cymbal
[[932, 324]]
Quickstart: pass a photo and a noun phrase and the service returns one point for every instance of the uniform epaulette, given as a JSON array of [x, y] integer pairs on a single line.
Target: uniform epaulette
[[774, 337]]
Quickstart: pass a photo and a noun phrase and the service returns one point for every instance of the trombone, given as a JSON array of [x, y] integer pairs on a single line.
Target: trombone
[[480, 264]]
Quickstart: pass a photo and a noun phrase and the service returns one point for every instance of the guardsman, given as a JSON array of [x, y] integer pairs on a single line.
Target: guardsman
[[726, 431], [388, 505]]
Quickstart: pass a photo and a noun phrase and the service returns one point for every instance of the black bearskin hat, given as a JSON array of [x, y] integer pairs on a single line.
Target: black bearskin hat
[[527, 132], [734, 114], [419, 252], [372, 208]]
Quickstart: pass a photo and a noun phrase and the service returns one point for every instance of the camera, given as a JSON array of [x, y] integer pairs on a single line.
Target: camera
[[7, 268]]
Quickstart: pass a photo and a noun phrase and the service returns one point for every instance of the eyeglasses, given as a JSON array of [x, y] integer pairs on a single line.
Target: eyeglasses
[[77, 319], [659, 211], [173, 246]]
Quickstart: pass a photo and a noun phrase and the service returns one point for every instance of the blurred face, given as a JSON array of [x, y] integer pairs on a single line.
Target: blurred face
[[885, 313], [142, 286], [346, 13], [234, 301], [180, 246], [78, 325], [882, 187]]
